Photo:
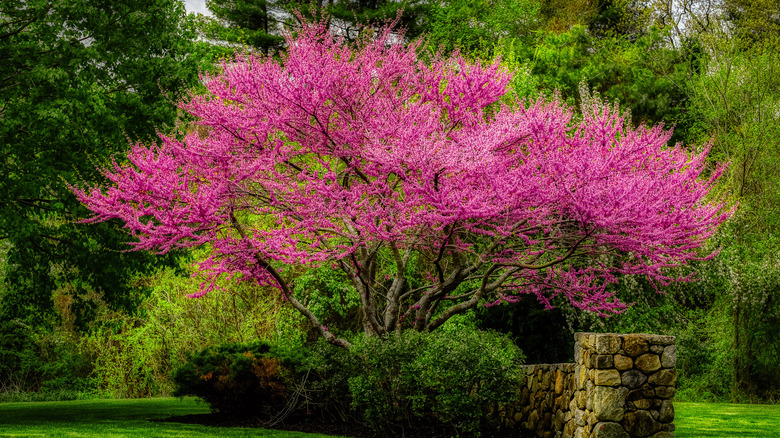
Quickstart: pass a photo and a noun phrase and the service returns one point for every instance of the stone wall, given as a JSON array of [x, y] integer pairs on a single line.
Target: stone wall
[[618, 386], [545, 399]]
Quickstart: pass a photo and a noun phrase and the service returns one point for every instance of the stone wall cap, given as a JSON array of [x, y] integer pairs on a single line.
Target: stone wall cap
[[561, 366], [650, 337]]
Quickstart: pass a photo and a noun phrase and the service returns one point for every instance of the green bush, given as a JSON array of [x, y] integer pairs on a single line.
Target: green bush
[[19, 371], [331, 297], [129, 360], [47, 363], [243, 379], [65, 369], [327, 374], [447, 379]]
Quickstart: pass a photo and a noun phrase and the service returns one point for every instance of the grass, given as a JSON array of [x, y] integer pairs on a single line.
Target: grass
[[724, 420], [118, 418], [134, 417]]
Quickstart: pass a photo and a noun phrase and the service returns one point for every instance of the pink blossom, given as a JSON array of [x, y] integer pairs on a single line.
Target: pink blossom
[[359, 156]]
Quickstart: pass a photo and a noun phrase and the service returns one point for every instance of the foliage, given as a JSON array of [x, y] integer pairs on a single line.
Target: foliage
[[647, 78], [448, 378], [17, 357], [77, 78], [351, 17], [133, 355], [42, 362], [544, 335], [704, 358], [445, 380], [602, 18], [327, 383], [384, 155], [753, 20], [127, 363], [250, 379], [475, 27], [627, 18], [331, 297], [258, 25], [728, 349], [735, 101], [64, 368], [253, 23]]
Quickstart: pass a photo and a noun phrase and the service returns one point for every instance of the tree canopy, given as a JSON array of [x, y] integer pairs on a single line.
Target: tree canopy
[[77, 78], [255, 23], [365, 156]]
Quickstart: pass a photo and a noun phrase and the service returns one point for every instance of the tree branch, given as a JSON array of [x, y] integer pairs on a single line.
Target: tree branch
[[287, 293]]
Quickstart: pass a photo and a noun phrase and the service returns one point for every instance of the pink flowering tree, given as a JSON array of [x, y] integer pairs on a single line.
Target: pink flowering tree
[[363, 156]]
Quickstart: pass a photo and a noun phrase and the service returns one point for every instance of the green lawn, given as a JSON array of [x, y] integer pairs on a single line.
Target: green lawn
[[724, 420], [131, 418], [117, 418]]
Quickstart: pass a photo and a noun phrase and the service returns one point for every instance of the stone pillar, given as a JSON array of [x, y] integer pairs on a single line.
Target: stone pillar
[[623, 386]]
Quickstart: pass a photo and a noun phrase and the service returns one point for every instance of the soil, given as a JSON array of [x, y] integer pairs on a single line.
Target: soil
[[313, 424], [310, 425]]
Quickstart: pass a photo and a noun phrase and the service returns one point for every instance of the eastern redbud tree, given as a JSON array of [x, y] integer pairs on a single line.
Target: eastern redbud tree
[[364, 156]]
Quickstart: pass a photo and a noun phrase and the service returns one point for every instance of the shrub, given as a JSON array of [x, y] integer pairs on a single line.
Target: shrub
[[331, 296], [129, 359], [445, 379], [18, 358], [48, 363], [327, 373], [243, 379]]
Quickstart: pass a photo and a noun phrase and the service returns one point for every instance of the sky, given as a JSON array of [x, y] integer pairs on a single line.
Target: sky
[[196, 6]]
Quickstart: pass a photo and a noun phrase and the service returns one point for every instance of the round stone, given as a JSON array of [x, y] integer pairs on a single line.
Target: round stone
[[601, 361], [608, 429], [669, 356], [647, 363], [608, 403], [665, 377], [633, 379], [640, 423], [665, 391], [607, 378], [635, 345], [623, 363], [607, 343], [666, 414]]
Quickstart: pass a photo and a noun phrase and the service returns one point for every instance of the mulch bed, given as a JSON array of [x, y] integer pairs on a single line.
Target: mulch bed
[[310, 425]]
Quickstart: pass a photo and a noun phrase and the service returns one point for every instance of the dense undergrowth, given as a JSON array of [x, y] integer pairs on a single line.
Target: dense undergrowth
[[134, 355], [411, 382]]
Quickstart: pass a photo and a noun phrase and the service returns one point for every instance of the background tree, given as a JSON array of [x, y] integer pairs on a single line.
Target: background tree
[[258, 24], [77, 78], [753, 20], [245, 23], [477, 27], [353, 15], [736, 102], [620, 18], [642, 75], [361, 158]]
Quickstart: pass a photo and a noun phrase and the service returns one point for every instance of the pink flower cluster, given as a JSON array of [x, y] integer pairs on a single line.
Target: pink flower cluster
[[341, 153]]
